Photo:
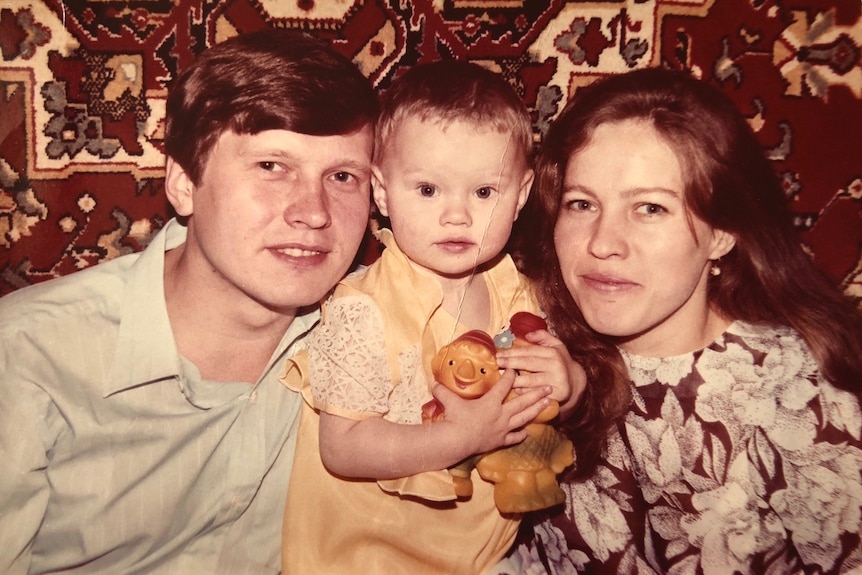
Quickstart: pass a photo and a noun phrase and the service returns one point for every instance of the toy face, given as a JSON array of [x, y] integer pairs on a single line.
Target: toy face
[[467, 368]]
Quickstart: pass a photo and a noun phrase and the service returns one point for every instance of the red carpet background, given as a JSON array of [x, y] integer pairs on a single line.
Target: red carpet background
[[83, 86]]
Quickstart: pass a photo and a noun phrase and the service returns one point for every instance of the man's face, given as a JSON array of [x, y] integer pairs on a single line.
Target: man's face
[[278, 216]]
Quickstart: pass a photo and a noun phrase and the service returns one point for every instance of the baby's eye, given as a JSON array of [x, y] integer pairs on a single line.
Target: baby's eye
[[427, 190], [484, 193]]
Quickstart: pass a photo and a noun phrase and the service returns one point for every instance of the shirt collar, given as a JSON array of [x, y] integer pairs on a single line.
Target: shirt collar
[[146, 349], [425, 292]]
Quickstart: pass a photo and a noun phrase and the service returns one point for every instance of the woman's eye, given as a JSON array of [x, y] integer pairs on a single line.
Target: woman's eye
[[427, 190], [484, 193], [651, 209], [579, 205]]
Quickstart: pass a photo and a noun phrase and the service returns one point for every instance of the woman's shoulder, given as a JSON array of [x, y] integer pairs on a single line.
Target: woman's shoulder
[[767, 340]]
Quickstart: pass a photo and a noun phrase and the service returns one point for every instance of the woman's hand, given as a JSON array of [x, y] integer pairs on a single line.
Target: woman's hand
[[545, 361]]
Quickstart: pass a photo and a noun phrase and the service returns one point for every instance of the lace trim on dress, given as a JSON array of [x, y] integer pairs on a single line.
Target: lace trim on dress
[[347, 356]]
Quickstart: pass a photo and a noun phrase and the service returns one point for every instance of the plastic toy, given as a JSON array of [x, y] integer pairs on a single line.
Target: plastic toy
[[524, 475]]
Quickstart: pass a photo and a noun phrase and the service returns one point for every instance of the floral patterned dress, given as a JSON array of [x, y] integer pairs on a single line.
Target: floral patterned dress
[[738, 458]]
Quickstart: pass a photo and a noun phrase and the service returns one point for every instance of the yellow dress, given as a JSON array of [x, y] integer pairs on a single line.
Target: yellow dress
[[370, 357]]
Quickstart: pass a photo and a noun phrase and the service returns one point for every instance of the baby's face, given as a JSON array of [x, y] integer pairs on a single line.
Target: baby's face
[[452, 192]]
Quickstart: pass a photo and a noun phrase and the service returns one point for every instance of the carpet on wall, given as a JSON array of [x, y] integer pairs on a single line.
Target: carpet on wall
[[83, 86]]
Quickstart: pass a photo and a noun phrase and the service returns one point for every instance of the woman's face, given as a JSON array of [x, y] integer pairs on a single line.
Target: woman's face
[[635, 261]]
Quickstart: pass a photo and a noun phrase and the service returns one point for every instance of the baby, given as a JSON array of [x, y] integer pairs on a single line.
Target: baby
[[452, 171]]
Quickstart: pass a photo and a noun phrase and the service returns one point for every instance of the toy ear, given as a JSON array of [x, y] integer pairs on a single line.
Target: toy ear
[[437, 362]]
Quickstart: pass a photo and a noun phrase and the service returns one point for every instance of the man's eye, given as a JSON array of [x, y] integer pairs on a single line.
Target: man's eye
[[268, 166]]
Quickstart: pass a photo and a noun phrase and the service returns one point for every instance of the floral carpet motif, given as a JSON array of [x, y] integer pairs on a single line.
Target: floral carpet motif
[[83, 87]]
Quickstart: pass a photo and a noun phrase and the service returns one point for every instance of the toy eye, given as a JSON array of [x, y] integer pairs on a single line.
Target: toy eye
[[483, 371], [451, 362]]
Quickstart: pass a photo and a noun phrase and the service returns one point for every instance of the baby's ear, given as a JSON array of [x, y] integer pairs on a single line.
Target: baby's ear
[[378, 191], [179, 188], [524, 190]]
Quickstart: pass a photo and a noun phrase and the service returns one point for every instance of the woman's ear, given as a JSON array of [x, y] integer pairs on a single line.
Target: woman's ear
[[179, 188], [378, 191], [721, 243], [524, 190]]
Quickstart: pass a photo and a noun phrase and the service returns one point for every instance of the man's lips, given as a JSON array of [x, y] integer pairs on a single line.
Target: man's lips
[[304, 253], [298, 252]]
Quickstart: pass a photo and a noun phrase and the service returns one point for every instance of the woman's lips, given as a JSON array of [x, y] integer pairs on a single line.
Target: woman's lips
[[607, 283]]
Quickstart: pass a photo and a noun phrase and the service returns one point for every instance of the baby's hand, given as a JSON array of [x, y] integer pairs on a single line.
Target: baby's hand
[[486, 423], [546, 363]]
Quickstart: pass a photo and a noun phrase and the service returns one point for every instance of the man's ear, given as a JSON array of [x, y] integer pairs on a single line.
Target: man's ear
[[524, 190], [378, 191], [722, 242], [179, 188]]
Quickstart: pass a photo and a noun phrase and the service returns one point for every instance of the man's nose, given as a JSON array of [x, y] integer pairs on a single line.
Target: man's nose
[[309, 205]]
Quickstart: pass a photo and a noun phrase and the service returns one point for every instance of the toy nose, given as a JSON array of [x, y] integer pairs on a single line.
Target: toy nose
[[466, 371]]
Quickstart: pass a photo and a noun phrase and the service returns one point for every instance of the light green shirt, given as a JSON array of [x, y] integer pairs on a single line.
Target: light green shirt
[[115, 457]]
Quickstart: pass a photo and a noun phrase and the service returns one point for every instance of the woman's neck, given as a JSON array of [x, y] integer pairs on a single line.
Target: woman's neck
[[670, 341]]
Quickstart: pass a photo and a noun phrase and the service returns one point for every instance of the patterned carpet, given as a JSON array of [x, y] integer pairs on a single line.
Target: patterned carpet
[[84, 85]]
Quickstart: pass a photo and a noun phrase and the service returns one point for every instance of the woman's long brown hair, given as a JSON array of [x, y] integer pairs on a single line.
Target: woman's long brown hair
[[767, 278]]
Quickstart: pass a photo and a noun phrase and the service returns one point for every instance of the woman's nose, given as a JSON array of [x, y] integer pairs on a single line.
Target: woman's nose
[[607, 237]]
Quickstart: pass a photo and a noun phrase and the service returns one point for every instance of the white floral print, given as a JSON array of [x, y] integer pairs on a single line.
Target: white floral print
[[738, 458]]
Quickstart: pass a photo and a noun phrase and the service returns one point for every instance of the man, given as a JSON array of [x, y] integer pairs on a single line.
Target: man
[[142, 424]]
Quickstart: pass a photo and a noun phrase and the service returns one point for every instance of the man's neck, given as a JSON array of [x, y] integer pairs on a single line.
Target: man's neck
[[227, 336]]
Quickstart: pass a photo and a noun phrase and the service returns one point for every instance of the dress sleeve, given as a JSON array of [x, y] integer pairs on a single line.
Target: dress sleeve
[[817, 474], [27, 418], [349, 371]]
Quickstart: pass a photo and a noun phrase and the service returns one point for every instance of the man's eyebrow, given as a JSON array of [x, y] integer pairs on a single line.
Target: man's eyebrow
[[351, 163], [253, 152], [277, 153]]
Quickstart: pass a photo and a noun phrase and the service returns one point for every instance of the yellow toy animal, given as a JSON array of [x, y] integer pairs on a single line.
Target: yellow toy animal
[[524, 475]]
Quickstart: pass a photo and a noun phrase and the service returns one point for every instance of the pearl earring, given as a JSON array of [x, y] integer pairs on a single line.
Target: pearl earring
[[715, 271]]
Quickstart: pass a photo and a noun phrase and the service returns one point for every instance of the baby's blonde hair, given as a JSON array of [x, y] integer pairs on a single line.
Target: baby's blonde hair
[[449, 91]]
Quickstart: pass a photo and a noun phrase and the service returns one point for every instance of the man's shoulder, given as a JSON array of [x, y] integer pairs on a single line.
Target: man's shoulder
[[91, 290]]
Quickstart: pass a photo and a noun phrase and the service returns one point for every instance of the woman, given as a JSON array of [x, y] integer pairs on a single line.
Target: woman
[[739, 449]]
